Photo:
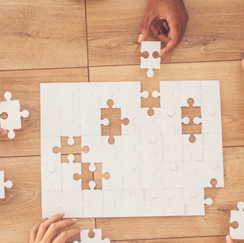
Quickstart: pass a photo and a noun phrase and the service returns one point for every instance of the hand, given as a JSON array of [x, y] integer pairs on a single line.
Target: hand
[[173, 17], [2, 131], [46, 229], [228, 239]]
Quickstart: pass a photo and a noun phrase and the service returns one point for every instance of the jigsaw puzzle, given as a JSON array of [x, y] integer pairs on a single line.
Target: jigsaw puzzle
[[237, 216], [84, 237], [3, 184], [12, 109], [135, 165], [150, 63]]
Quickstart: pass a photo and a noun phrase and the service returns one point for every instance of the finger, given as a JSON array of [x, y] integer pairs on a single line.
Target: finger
[[145, 25], [62, 238], [165, 24], [34, 231], [228, 239], [158, 35], [45, 225], [2, 131], [54, 227]]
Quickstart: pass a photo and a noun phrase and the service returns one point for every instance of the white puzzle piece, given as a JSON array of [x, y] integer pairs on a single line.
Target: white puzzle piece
[[84, 237], [3, 184], [154, 169], [12, 108], [237, 216], [150, 63]]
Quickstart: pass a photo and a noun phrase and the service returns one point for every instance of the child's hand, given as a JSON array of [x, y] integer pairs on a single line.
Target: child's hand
[[45, 230], [2, 131], [228, 239]]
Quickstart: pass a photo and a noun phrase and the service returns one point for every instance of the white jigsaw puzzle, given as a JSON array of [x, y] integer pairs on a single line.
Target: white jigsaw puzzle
[[84, 237], [154, 169], [150, 63], [3, 184], [237, 216], [12, 108]]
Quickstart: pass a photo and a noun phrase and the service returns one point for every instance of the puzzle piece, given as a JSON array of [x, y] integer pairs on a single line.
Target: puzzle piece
[[75, 149], [115, 121], [7, 184], [191, 128], [150, 63], [13, 120], [84, 237], [237, 216]]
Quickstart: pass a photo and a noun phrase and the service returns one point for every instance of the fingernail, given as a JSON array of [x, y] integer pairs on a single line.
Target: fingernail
[[227, 238], [140, 38], [44, 219], [75, 220], [3, 133], [61, 214], [81, 228]]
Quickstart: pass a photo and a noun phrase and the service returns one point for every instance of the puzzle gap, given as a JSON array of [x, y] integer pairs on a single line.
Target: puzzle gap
[[115, 121], [4, 116]]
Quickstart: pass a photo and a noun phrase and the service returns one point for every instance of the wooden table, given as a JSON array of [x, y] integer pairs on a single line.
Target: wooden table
[[93, 41]]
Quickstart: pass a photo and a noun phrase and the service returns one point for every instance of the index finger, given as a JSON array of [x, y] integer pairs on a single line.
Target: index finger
[[34, 231]]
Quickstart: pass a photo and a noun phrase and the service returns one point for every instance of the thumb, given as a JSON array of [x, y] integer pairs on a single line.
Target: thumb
[[145, 26], [228, 239]]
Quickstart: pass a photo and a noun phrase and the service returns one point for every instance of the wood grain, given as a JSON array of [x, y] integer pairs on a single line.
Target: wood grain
[[215, 223], [42, 34], [21, 208], [214, 32], [231, 86], [25, 86]]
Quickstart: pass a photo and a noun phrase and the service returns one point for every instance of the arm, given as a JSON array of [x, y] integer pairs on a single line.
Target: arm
[[174, 18]]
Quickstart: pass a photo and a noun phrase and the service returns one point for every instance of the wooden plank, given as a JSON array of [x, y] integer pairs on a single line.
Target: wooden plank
[[214, 32], [214, 223], [25, 86], [42, 34], [181, 240], [231, 85], [21, 208]]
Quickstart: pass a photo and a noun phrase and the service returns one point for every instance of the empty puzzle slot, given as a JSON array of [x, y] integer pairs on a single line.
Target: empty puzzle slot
[[191, 128], [115, 122]]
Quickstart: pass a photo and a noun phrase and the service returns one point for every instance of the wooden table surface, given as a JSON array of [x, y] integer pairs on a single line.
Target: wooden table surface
[[93, 41]]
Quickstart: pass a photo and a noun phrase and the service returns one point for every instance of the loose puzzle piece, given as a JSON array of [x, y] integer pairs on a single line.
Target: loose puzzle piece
[[12, 108], [237, 216], [191, 128], [150, 63], [84, 237], [3, 184], [67, 149], [115, 121]]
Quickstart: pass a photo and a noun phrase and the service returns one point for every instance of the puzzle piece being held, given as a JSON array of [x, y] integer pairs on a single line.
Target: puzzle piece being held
[[150, 63], [84, 237], [237, 216], [3, 184], [12, 108]]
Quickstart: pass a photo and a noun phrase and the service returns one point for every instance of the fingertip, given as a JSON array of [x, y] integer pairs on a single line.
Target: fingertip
[[80, 228], [228, 239], [140, 38]]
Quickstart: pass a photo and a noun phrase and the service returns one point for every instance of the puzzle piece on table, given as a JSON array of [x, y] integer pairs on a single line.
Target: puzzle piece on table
[[150, 63], [75, 149], [84, 237], [100, 176], [191, 128], [237, 216], [115, 121], [7, 184], [12, 108]]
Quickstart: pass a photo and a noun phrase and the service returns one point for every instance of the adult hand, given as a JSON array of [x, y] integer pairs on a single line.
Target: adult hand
[[171, 31], [2, 131], [45, 230], [228, 239]]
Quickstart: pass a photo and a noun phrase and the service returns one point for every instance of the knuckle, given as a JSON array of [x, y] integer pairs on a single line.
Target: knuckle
[[64, 234], [53, 226]]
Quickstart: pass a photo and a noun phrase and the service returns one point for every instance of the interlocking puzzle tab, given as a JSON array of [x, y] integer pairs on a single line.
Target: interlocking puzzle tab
[[150, 63], [237, 216], [84, 237], [115, 121], [7, 184], [14, 115], [191, 128]]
